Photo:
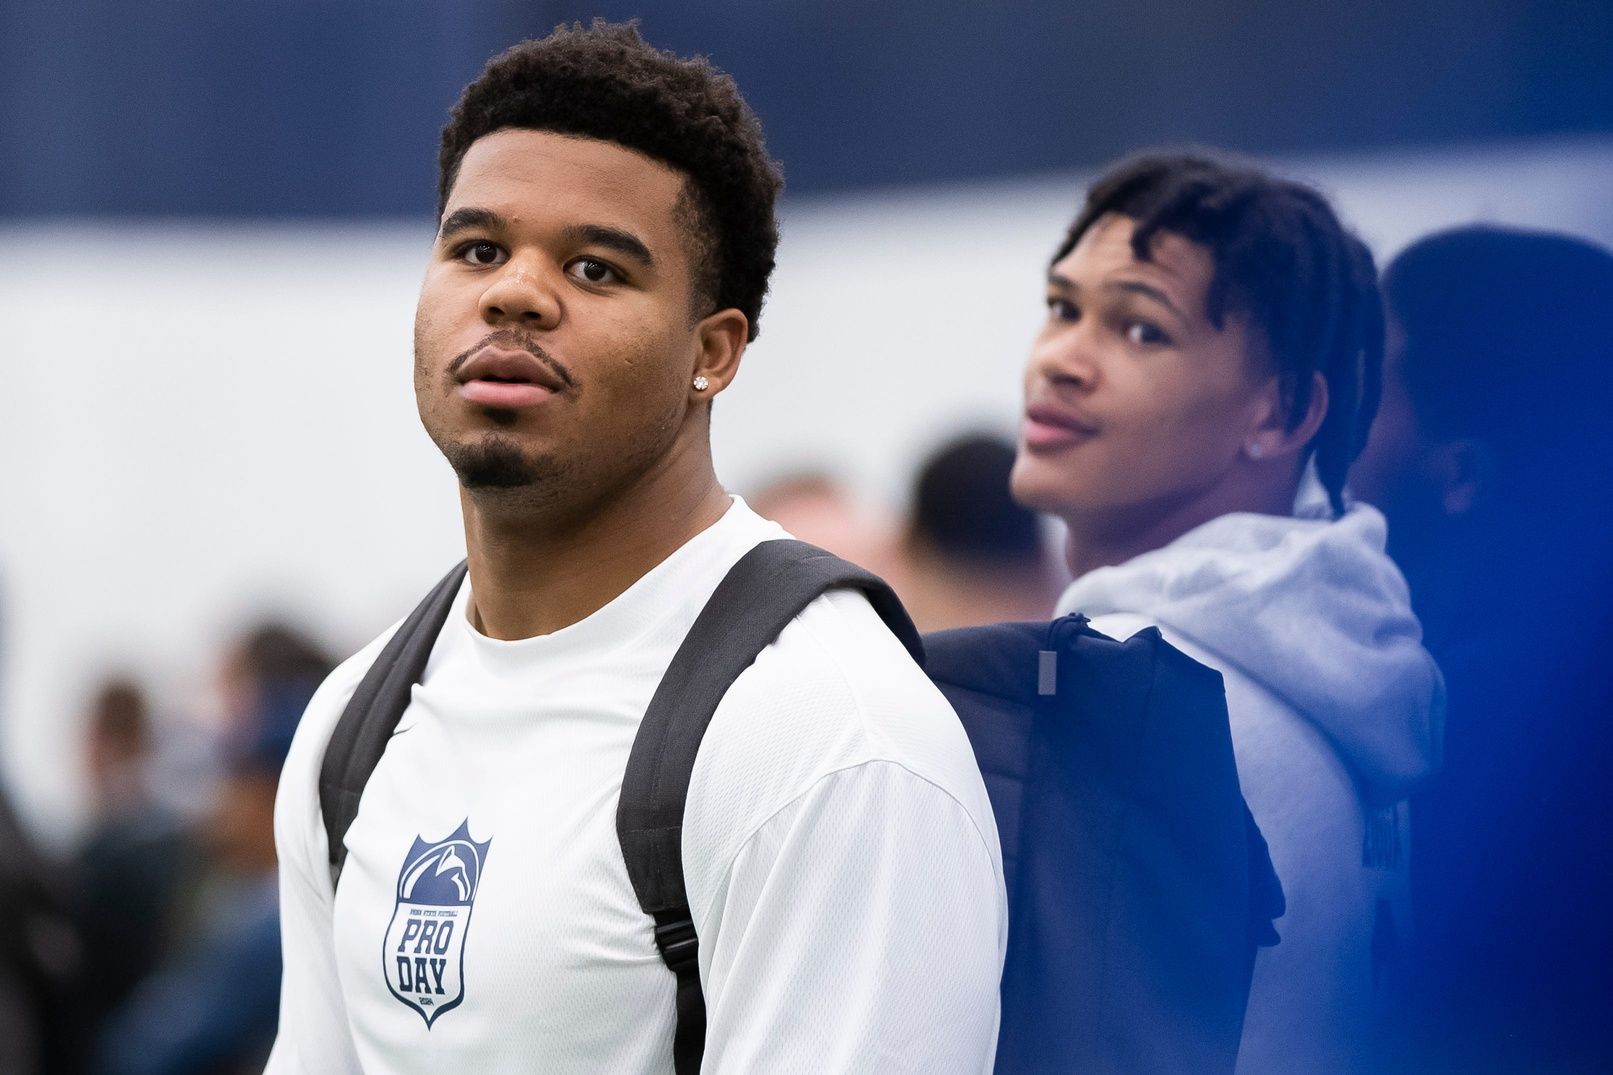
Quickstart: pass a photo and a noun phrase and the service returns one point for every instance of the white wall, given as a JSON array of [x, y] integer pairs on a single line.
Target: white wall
[[200, 423]]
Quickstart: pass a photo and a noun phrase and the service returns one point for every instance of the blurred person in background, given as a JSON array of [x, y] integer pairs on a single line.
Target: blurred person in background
[[968, 553], [1492, 457], [41, 959], [212, 1006], [136, 857], [1214, 336], [266, 678], [273, 657], [818, 508]]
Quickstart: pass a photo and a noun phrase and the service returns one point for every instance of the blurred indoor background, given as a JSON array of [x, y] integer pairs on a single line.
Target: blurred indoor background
[[213, 219]]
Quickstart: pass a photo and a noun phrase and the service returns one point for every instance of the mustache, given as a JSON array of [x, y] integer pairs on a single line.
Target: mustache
[[512, 340]]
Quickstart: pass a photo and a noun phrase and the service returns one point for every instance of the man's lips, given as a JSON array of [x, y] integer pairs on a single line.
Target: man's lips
[[498, 377], [1053, 427]]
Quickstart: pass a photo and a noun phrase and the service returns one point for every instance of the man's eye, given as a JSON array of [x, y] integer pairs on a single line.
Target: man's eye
[[480, 252], [1144, 334], [1062, 310], [592, 271]]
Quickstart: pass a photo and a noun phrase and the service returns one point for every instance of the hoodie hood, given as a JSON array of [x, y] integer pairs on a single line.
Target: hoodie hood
[[1312, 609]]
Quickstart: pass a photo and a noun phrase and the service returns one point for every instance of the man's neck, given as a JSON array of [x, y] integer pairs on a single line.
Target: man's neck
[[533, 576], [1116, 537]]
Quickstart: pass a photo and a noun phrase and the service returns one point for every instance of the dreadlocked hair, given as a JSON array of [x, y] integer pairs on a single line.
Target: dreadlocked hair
[[606, 82], [1284, 261]]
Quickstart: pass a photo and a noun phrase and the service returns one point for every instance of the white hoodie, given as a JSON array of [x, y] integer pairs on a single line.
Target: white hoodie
[[1336, 714]]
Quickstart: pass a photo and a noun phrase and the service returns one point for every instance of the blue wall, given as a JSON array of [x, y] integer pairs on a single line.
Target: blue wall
[[312, 108]]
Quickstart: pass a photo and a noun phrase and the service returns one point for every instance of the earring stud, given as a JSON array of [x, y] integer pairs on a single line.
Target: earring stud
[[1254, 449], [701, 384]]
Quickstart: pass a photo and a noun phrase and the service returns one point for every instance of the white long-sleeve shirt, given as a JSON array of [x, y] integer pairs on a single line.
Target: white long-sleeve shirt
[[839, 852]]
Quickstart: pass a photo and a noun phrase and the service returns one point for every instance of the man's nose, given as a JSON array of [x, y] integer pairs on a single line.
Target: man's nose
[[1067, 357], [521, 293]]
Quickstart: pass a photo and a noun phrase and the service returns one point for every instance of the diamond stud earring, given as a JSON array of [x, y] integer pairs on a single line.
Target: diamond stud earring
[[1254, 449], [701, 384]]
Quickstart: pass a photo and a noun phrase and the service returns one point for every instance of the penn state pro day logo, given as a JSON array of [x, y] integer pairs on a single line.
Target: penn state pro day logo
[[424, 951]]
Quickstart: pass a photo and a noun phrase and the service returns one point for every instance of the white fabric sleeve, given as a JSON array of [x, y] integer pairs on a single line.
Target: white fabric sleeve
[[313, 1038], [859, 929]]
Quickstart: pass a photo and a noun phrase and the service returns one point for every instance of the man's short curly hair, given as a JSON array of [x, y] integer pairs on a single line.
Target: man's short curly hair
[[606, 82], [1306, 284]]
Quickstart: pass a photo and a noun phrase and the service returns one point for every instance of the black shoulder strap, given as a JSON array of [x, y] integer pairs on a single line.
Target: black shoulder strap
[[761, 594], [377, 705]]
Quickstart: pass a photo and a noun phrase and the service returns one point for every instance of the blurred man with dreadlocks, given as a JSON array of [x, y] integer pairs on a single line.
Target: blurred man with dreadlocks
[[1207, 372]]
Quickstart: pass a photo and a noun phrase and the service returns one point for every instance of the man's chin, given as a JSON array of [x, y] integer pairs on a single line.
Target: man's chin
[[1034, 485], [493, 462]]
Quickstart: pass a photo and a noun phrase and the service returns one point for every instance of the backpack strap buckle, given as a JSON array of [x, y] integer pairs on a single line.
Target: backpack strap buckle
[[680, 951], [675, 937]]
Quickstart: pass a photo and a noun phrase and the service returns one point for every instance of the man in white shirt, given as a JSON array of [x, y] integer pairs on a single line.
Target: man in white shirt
[[606, 234]]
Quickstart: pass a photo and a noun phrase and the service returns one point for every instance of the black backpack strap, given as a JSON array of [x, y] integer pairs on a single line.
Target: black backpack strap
[[761, 594], [377, 705]]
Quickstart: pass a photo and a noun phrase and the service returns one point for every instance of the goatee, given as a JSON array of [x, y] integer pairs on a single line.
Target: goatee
[[493, 463]]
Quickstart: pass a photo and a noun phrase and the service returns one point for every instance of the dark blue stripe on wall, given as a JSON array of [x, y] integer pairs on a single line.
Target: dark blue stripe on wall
[[304, 108]]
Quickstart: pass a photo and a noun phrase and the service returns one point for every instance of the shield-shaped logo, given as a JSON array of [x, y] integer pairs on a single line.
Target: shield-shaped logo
[[424, 952]]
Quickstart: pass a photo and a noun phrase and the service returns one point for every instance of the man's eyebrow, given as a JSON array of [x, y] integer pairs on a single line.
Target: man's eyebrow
[[470, 220], [623, 242], [1060, 281], [1137, 287]]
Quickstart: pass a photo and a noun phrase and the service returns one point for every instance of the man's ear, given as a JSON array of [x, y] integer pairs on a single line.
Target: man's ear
[[1273, 436], [720, 340], [1464, 469]]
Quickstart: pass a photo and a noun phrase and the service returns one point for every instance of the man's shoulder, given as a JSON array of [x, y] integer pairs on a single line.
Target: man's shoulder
[[838, 660], [838, 701], [836, 690]]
